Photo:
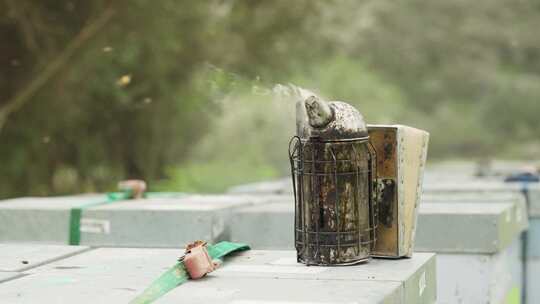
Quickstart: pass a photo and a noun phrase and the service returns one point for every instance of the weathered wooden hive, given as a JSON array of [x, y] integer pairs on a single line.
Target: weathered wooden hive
[[332, 167]]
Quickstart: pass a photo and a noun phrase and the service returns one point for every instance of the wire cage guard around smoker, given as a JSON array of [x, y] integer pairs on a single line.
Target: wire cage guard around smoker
[[334, 191]]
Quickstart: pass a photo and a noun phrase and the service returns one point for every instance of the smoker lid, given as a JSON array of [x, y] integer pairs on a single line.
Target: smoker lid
[[344, 123]]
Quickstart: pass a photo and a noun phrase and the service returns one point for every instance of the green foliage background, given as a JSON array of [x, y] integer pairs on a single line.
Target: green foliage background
[[179, 92]]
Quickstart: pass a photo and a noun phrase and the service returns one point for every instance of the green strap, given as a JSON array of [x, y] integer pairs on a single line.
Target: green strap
[[75, 221], [177, 275], [74, 226], [125, 195], [75, 213]]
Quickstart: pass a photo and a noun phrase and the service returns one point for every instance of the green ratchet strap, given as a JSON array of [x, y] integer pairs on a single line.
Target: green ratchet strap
[[75, 221], [177, 275], [76, 212]]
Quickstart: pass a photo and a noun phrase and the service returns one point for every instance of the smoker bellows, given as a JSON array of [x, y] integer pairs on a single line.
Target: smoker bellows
[[347, 175]]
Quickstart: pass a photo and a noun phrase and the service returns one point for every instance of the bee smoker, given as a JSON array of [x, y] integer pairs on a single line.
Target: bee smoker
[[333, 165]]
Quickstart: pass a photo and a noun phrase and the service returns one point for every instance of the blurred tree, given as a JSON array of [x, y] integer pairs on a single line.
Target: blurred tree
[[129, 101], [96, 91], [468, 69]]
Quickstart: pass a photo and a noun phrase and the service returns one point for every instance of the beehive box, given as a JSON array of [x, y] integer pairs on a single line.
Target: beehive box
[[270, 226], [153, 222], [266, 226], [417, 276], [478, 247], [165, 222], [519, 213], [40, 219], [117, 275], [466, 227], [531, 194], [532, 260], [463, 232]]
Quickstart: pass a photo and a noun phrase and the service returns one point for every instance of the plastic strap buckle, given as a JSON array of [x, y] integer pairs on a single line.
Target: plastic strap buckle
[[134, 187], [197, 260]]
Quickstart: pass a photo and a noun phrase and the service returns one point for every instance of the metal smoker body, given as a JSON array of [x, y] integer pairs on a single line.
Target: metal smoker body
[[332, 166]]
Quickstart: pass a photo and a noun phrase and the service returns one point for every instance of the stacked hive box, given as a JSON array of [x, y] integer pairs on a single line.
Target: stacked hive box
[[153, 222], [415, 277], [481, 243], [471, 237], [478, 249], [166, 222], [531, 240], [439, 181], [533, 259], [40, 219], [117, 275]]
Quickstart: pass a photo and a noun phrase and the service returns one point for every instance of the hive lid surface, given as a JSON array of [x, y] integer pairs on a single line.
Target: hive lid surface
[[52, 202], [282, 264], [117, 275], [189, 202], [20, 257]]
